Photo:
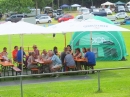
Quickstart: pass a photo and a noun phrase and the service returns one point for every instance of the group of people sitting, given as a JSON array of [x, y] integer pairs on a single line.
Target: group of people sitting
[[69, 58], [52, 59]]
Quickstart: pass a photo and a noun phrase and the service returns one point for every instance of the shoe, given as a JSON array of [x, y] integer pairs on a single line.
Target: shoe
[[57, 75], [53, 75]]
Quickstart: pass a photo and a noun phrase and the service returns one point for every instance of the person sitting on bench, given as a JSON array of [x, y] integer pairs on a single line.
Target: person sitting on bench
[[90, 58]]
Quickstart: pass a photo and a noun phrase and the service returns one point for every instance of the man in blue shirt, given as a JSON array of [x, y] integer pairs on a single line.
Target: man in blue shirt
[[19, 57], [90, 58], [54, 61]]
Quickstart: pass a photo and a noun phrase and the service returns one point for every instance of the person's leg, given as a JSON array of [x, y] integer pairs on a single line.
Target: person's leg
[[78, 66]]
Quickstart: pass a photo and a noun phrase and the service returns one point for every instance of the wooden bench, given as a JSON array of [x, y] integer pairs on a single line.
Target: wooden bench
[[90, 67], [17, 70], [20, 64], [72, 68], [34, 71]]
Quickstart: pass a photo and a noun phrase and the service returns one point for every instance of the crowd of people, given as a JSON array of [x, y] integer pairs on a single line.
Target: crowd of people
[[54, 61]]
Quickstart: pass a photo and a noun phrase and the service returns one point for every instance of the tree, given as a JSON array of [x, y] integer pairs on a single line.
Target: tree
[[19, 6], [42, 3]]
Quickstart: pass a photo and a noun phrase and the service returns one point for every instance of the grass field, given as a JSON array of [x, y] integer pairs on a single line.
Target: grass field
[[113, 83]]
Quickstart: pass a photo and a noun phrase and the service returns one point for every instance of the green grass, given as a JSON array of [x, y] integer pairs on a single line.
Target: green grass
[[113, 83]]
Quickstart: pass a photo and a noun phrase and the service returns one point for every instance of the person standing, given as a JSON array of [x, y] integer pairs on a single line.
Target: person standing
[[55, 50], [62, 57], [20, 57], [36, 51]]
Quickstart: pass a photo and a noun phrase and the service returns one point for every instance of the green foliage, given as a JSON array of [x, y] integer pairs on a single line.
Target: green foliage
[[19, 6], [42, 3]]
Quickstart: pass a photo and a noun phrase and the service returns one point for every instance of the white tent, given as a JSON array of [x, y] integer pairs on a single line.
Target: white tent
[[20, 28], [75, 5], [107, 3], [85, 25], [128, 2]]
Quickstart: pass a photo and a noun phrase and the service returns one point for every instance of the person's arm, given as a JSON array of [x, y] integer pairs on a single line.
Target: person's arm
[[48, 61], [24, 55], [13, 54], [38, 52], [65, 60], [79, 55], [85, 57]]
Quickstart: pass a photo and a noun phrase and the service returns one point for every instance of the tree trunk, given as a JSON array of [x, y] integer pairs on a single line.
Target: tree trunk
[[36, 6]]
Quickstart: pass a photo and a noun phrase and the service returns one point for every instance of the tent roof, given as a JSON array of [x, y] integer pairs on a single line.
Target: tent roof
[[20, 28], [64, 6], [75, 5], [107, 3], [84, 25], [128, 2], [119, 2]]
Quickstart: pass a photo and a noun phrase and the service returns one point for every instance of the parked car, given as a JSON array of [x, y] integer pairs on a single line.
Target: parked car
[[1, 16], [83, 16], [65, 18], [15, 18], [119, 9], [59, 16], [121, 15], [84, 10], [126, 21], [101, 13], [111, 17], [127, 8], [43, 19], [94, 10], [49, 11], [108, 11], [38, 16]]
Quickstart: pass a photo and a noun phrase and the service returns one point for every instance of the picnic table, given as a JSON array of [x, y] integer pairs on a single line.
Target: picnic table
[[6, 66], [80, 61], [44, 66]]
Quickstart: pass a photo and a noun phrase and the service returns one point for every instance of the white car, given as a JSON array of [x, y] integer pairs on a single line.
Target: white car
[[43, 19], [84, 10], [121, 15], [108, 11]]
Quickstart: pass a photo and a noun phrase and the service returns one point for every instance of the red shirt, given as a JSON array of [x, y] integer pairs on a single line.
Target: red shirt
[[14, 53]]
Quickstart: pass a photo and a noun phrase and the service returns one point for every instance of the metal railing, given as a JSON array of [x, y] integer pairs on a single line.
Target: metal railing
[[67, 72]]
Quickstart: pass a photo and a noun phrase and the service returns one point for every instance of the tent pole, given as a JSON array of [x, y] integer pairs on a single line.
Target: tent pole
[[91, 40], [10, 46], [21, 83], [65, 39]]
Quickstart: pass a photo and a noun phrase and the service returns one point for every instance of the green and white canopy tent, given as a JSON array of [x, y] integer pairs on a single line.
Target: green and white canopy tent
[[106, 44]]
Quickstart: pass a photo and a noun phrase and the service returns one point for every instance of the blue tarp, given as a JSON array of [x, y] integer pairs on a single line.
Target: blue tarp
[[64, 6]]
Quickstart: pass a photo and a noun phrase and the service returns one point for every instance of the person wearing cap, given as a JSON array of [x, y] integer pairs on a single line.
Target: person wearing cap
[[36, 51]]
